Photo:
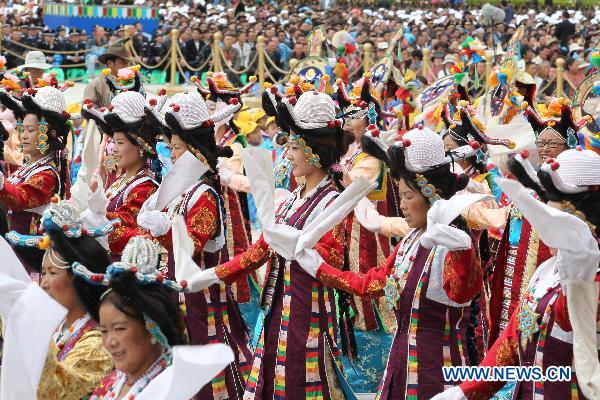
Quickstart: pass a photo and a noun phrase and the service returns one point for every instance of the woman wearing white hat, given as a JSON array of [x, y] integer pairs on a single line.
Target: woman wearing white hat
[[556, 321], [43, 126], [191, 189]]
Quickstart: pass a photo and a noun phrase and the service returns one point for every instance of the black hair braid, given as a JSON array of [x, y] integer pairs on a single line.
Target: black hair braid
[[90, 253], [156, 167], [337, 176], [153, 300], [63, 172]]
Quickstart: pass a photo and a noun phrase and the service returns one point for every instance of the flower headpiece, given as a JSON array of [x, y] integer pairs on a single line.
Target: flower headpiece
[[127, 79]]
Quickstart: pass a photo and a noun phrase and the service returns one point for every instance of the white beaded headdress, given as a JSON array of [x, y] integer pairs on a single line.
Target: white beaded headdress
[[313, 110], [190, 110], [140, 256], [64, 217], [574, 171]]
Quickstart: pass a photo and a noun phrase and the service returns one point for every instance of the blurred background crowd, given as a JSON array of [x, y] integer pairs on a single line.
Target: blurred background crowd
[[433, 30]]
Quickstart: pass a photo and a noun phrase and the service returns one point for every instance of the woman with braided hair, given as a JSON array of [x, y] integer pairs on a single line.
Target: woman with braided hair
[[76, 360], [134, 135], [432, 275], [191, 189], [43, 126], [555, 322], [297, 354]]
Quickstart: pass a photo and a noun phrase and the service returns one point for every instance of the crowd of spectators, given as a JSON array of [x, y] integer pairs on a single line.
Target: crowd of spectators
[[549, 34]]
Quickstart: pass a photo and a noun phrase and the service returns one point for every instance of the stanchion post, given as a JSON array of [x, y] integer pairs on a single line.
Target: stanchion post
[[489, 58], [560, 69], [174, 38], [260, 47], [426, 63], [293, 62], [367, 61], [217, 51], [128, 39]]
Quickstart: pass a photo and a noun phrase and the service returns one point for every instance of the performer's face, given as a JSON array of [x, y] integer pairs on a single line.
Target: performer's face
[[414, 205], [450, 144], [300, 165], [178, 147], [126, 153], [127, 340], [553, 145], [357, 127], [29, 138], [58, 283]]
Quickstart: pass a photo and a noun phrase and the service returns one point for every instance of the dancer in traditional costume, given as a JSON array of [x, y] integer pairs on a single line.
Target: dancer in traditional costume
[[43, 127], [134, 137], [191, 189], [520, 251], [140, 323], [463, 129], [234, 185], [362, 113], [76, 360], [297, 354], [556, 320], [432, 276]]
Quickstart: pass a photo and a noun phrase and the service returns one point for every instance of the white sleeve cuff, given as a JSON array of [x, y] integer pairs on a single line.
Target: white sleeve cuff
[[447, 236]]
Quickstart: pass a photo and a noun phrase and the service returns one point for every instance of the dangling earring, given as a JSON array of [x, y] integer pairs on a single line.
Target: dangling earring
[[42, 144], [141, 153]]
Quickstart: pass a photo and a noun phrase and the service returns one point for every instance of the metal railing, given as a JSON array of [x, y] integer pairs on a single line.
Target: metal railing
[[262, 65]]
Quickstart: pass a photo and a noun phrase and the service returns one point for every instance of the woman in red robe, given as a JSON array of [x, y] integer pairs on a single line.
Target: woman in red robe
[[431, 277], [43, 127], [134, 137], [191, 189], [555, 322]]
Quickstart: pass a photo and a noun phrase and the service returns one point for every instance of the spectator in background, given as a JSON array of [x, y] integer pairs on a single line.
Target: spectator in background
[[275, 59], [96, 47], [156, 50], [244, 48], [574, 74], [49, 46], [564, 30], [298, 52], [74, 44], [232, 58], [193, 49], [509, 13], [13, 45]]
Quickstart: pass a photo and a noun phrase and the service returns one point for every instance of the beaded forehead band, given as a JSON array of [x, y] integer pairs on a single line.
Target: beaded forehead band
[[52, 258], [312, 158]]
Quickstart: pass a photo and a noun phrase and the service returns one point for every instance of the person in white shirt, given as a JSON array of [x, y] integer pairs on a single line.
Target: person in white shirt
[[243, 48]]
